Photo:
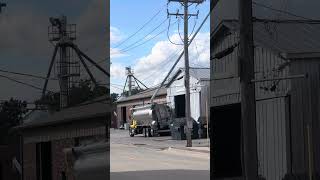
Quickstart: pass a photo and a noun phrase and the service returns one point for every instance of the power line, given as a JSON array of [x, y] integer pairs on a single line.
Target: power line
[[19, 82], [168, 34], [144, 41], [25, 74], [144, 25], [281, 11], [115, 87], [145, 35], [167, 61]]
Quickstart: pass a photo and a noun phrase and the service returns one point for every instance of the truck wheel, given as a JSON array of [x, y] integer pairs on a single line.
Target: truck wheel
[[131, 132], [150, 132]]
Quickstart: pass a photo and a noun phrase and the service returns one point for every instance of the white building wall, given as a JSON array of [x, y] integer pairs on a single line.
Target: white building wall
[[198, 95]]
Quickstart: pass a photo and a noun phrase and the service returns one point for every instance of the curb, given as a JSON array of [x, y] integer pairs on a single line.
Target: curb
[[188, 149]]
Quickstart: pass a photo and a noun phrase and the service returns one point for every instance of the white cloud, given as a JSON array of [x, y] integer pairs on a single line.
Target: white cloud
[[118, 77], [116, 53], [115, 35], [117, 71], [152, 68]]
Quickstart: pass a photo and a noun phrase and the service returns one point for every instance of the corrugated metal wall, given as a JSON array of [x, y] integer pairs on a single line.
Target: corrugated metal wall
[[270, 107], [198, 95], [224, 74], [271, 138], [305, 111]]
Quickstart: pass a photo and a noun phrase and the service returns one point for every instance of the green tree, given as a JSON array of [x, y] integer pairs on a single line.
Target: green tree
[[133, 92], [114, 97], [11, 114], [78, 94]]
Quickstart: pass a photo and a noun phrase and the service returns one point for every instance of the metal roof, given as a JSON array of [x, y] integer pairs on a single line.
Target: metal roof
[[98, 107], [283, 36], [144, 94], [198, 73]]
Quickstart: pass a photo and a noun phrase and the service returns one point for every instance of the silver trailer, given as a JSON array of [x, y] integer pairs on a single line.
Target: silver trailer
[[152, 119]]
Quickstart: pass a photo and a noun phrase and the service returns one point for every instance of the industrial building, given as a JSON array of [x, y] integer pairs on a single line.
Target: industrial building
[[199, 92], [124, 104], [287, 83]]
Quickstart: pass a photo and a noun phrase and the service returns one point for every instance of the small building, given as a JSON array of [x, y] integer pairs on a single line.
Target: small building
[[46, 135], [287, 89], [124, 104], [199, 92]]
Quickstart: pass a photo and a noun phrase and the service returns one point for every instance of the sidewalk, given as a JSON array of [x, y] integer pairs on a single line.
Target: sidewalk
[[194, 149]]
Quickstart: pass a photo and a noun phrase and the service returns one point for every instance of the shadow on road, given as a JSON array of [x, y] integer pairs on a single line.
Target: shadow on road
[[161, 175]]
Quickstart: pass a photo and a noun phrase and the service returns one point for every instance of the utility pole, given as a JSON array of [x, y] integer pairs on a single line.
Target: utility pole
[[186, 15], [248, 101], [187, 76]]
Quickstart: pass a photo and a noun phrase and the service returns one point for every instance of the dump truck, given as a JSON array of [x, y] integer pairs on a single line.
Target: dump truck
[[150, 120]]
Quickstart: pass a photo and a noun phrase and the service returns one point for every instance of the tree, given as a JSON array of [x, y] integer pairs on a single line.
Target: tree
[[78, 94], [114, 97], [11, 114], [133, 92]]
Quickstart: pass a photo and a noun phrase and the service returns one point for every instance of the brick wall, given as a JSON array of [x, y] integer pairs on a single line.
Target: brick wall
[[29, 160], [58, 158]]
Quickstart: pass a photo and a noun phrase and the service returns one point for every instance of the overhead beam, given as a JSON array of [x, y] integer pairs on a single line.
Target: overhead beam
[[87, 69], [50, 69], [90, 60]]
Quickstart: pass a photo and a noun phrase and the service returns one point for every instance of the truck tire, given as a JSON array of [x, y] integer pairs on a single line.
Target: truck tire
[[150, 134], [131, 134]]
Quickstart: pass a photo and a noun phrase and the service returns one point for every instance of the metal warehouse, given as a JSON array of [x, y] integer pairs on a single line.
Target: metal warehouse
[[287, 83], [199, 92]]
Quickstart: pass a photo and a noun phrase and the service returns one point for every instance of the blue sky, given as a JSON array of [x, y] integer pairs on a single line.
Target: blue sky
[[149, 60]]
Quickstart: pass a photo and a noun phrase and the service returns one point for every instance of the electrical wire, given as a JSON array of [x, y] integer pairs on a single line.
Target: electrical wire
[[25, 74], [139, 40], [182, 40], [164, 63], [19, 82], [281, 11], [169, 36], [144, 25], [144, 41], [194, 26]]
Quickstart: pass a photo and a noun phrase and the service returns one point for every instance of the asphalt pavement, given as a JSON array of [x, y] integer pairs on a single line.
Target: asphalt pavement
[[140, 158]]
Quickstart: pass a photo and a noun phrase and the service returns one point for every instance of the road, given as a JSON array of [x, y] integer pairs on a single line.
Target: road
[[140, 158]]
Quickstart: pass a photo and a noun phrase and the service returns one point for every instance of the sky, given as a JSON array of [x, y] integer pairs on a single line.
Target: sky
[[152, 60], [24, 45]]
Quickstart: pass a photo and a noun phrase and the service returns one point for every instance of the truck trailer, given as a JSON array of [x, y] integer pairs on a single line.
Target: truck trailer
[[150, 120]]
